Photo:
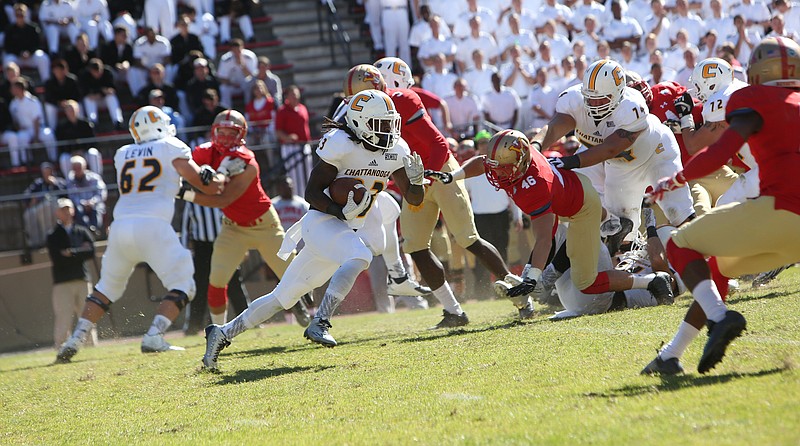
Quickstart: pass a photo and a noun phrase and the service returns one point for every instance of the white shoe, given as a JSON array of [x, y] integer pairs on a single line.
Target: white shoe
[[406, 287], [563, 314], [156, 343], [68, 349]]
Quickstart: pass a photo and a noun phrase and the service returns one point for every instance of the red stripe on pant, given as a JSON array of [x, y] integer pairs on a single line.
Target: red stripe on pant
[[217, 297], [600, 284]]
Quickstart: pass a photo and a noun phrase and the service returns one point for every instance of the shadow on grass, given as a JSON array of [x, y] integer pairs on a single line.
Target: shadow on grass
[[678, 382], [756, 295], [440, 334], [242, 376]]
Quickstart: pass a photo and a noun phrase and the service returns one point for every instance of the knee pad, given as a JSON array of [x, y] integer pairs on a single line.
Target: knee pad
[[217, 297], [600, 284], [96, 300], [679, 257], [178, 297]]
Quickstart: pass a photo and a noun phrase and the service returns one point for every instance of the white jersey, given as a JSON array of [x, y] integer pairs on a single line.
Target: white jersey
[[714, 111], [354, 161], [147, 180], [631, 114]]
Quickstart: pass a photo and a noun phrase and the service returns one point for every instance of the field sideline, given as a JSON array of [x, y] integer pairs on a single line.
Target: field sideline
[[391, 381]]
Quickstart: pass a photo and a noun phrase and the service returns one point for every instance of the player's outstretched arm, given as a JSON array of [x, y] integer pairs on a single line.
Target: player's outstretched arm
[[614, 145], [707, 134], [542, 228], [321, 177], [743, 124], [558, 127], [190, 171], [233, 190], [410, 178]]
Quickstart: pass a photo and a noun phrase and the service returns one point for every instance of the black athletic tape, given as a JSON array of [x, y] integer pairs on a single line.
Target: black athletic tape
[[95, 300], [178, 297]]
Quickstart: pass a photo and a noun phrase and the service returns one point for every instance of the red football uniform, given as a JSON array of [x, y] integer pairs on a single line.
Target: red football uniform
[[418, 130], [429, 100], [775, 147], [664, 95], [545, 190], [254, 202]]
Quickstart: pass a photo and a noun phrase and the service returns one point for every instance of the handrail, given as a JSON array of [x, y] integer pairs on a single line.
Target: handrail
[[335, 30]]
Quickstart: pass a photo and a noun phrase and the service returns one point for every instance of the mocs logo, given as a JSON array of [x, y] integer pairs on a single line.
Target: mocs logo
[[711, 70]]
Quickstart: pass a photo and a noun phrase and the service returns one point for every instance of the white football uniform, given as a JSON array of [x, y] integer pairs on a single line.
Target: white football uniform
[[330, 242], [142, 228], [747, 185], [654, 155]]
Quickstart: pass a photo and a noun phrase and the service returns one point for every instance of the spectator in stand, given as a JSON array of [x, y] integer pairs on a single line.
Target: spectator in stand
[[755, 14], [61, 86], [779, 29], [156, 99], [204, 117], [290, 206], [39, 215], [547, 60], [590, 37], [488, 19], [79, 54], [148, 50], [291, 127], [97, 83], [239, 10], [465, 110], [12, 74], [560, 46], [674, 57], [541, 104], [685, 19], [501, 105], [476, 39], [201, 81], [69, 247], [87, 190], [583, 10], [526, 17], [790, 12], [395, 27], [271, 79], [186, 69], [158, 82], [440, 80], [236, 68], [518, 73], [690, 60], [93, 19], [448, 10], [161, 16], [22, 44], [118, 55], [621, 28], [560, 15], [126, 13], [259, 113], [420, 32], [184, 41], [658, 24], [59, 18], [518, 36], [206, 28], [479, 77], [7, 134], [372, 18], [69, 131], [28, 115], [437, 43], [720, 21]]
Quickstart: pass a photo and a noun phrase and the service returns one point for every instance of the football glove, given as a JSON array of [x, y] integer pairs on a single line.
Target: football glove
[[206, 174], [186, 195], [231, 166], [669, 184], [352, 209], [415, 171], [684, 105], [442, 177], [565, 162], [523, 289]]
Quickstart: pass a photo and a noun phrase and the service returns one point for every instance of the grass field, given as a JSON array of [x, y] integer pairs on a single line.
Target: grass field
[[391, 381]]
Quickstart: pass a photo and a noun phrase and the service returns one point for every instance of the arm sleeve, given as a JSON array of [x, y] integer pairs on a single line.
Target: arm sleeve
[[713, 156], [429, 100]]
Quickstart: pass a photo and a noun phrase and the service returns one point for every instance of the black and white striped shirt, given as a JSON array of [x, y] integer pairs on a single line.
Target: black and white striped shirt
[[200, 223]]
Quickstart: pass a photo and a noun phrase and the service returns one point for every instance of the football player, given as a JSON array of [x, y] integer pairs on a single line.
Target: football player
[[149, 173], [339, 240], [758, 115], [612, 121]]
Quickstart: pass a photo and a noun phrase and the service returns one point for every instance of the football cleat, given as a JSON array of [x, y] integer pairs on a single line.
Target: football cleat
[[404, 286], [661, 289], [544, 293], [317, 331], [156, 344], [68, 349], [767, 277], [450, 320], [663, 367], [300, 313], [215, 342], [527, 311], [564, 314], [614, 240], [720, 335]]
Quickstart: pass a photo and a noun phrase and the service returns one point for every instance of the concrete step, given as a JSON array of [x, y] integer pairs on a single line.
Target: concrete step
[[285, 30]]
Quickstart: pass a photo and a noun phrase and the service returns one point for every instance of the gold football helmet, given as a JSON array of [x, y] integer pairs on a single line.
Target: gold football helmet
[[363, 77], [775, 61], [509, 158], [229, 119]]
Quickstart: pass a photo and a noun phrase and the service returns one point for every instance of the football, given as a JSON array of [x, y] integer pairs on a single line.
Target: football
[[341, 187]]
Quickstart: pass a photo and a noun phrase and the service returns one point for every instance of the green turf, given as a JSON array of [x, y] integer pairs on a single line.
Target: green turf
[[391, 381]]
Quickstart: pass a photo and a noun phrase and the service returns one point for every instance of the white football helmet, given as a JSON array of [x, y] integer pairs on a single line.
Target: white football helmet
[[396, 73], [150, 123], [710, 76], [603, 86], [373, 119]]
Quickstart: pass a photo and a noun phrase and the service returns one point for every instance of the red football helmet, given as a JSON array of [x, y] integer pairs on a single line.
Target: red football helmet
[[509, 158], [229, 119]]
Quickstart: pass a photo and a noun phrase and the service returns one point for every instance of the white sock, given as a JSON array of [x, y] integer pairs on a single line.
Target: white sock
[[82, 328], [677, 346], [159, 325], [391, 255], [259, 311], [219, 319], [448, 300], [328, 305], [707, 295], [640, 281]]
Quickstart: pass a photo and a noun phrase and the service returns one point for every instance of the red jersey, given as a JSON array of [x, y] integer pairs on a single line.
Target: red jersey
[[293, 120], [429, 100], [254, 202], [544, 190], [260, 117], [775, 147], [664, 95], [418, 130]]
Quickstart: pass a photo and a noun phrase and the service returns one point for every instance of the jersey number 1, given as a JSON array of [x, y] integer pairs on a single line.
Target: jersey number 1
[[126, 177]]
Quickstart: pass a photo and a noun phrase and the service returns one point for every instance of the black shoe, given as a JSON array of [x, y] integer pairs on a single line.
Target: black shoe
[[767, 277], [301, 314], [614, 241], [661, 288], [664, 367], [720, 335], [450, 320]]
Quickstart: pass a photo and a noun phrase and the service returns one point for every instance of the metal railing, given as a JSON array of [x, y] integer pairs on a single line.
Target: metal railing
[[335, 30]]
